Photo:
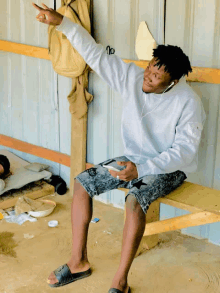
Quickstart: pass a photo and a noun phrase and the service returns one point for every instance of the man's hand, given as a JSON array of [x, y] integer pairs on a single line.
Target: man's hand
[[129, 173], [53, 17]]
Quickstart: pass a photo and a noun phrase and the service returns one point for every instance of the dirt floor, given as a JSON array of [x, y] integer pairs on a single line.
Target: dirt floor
[[178, 264]]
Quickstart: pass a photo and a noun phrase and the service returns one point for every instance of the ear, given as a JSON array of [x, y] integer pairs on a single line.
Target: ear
[[175, 81]]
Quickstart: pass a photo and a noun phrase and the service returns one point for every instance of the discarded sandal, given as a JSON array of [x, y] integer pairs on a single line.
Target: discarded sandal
[[113, 290], [64, 276]]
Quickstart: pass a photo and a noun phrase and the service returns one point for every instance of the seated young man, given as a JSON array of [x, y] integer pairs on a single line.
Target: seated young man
[[162, 122]]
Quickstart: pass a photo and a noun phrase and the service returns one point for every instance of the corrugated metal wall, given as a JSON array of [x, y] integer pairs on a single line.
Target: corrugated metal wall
[[34, 106], [195, 27]]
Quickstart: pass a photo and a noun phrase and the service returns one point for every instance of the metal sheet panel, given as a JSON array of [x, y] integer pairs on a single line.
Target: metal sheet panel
[[29, 85], [194, 26]]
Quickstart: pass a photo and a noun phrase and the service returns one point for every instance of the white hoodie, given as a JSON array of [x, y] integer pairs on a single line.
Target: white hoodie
[[160, 132]]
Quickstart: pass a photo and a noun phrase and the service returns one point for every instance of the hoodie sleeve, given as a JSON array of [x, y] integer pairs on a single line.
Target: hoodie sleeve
[[112, 69], [186, 142]]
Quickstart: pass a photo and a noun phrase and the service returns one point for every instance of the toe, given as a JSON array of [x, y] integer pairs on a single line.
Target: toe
[[52, 279]]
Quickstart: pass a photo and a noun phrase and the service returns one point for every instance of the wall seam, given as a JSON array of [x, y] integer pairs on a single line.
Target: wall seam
[[216, 64]]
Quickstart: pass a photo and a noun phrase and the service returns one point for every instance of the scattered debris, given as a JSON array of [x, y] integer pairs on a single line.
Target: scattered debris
[[3, 213], [28, 236], [53, 223], [108, 232], [26, 204], [12, 218], [95, 220]]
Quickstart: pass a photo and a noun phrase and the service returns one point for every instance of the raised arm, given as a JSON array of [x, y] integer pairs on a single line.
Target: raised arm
[[112, 69]]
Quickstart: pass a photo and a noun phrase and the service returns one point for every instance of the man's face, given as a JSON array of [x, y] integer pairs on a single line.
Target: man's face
[[155, 80], [1, 169]]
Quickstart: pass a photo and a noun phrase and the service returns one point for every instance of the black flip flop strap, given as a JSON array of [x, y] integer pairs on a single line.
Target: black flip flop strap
[[113, 290], [63, 272]]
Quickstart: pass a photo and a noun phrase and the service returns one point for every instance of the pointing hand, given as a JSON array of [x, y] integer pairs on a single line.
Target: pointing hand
[[53, 17]]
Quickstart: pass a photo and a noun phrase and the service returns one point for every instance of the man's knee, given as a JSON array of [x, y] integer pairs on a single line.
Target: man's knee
[[132, 204], [78, 187]]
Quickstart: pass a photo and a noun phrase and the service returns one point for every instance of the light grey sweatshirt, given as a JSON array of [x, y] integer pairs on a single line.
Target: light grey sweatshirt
[[160, 132]]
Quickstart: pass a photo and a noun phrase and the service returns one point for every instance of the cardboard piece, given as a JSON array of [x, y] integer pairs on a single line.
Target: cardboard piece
[[145, 43]]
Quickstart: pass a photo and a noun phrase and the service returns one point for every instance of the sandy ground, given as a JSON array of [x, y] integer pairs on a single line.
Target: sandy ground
[[178, 264]]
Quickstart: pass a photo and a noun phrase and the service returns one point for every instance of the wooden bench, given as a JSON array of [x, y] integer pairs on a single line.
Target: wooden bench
[[202, 202]]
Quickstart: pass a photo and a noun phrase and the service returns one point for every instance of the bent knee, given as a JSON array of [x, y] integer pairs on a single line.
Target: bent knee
[[78, 187], [132, 203]]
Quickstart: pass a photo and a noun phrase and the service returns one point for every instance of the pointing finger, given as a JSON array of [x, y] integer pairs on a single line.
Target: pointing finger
[[37, 7], [45, 6]]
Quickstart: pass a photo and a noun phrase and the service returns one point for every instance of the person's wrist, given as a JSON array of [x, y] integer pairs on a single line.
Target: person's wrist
[[61, 19]]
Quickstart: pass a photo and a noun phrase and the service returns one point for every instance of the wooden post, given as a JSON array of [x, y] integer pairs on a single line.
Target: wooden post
[[78, 148], [78, 138], [153, 215]]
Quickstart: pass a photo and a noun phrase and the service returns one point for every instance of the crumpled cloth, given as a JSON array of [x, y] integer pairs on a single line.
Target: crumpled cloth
[[79, 97], [12, 218]]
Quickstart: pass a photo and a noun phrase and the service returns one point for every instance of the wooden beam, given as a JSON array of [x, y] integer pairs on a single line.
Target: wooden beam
[[45, 189], [26, 50], [152, 216], [199, 74], [195, 195], [180, 205], [38, 151], [195, 219], [35, 150]]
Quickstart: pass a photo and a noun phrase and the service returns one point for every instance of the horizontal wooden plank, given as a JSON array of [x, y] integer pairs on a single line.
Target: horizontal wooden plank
[[26, 50], [35, 150], [199, 74], [46, 189], [180, 205], [195, 195], [192, 197], [38, 151], [195, 219]]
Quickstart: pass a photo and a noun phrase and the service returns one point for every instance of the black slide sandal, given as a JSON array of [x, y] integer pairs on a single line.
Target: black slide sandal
[[113, 290], [64, 276]]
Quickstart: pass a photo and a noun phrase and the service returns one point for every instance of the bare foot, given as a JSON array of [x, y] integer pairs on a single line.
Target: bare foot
[[73, 268]]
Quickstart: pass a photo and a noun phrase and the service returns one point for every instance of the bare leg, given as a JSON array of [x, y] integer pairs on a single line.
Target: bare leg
[[81, 214], [132, 234]]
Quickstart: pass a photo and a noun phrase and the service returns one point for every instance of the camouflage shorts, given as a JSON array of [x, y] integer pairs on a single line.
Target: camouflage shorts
[[147, 189]]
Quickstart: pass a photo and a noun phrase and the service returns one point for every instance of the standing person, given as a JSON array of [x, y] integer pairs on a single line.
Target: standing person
[[162, 122]]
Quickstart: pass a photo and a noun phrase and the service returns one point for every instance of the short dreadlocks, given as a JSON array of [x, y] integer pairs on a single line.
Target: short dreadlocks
[[176, 63]]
